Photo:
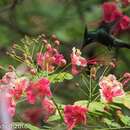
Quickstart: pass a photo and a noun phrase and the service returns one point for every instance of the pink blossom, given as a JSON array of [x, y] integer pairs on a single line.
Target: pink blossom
[[112, 13], [40, 88], [14, 87], [18, 88], [74, 115], [8, 78], [31, 97], [48, 108], [126, 77], [110, 88], [78, 62], [11, 104], [124, 24], [33, 115], [126, 2], [59, 59], [50, 59], [40, 58]]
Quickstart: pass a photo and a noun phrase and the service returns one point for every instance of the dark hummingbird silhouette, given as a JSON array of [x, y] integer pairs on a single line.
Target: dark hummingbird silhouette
[[103, 35]]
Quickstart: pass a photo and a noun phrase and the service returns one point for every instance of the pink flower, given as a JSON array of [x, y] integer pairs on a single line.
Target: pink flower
[[112, 13], [126, 2], [124, 24], [8, 78], [33, 115], [31, 97], [18, 88], [74, 115], [78, 62], [110, 88], [40, 88], [48, 108], [40, 58], [59, 59], [11, 104], [50, 59], [126, 77]]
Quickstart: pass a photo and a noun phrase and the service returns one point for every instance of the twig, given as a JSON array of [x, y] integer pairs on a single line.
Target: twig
[[10, 6], [57, 108]]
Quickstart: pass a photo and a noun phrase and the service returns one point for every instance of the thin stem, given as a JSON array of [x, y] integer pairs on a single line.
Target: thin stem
[[104, 71], [83, 91], [57, 108], [33, 48], [95, 94], [65, 67], [120, 79], [115, 128], [47, 69], [96, 97], [93, 90], [90, 84], [86, 83], [22, 100]]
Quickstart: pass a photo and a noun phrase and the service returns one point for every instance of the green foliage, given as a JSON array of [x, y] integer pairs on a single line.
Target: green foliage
[[124, 100], [60, 77], [54, 78], [111, 124]]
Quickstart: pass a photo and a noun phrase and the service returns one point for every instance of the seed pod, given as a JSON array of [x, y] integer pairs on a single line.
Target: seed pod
[[11, 68], [93, 72]]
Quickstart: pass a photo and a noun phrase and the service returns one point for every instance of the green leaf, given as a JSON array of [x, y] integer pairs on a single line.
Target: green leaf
[[96, 106], [31, 127], [114, 106], [40, 74], [81, 103], [125, 119], [60, 77], [126, 101], [54, 118], [110, 123], [118, 100]]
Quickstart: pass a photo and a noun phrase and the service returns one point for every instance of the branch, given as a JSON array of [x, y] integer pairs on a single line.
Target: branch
[[10, 6]]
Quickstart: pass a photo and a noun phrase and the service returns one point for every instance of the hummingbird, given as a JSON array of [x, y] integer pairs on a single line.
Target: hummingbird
[[103, 35]]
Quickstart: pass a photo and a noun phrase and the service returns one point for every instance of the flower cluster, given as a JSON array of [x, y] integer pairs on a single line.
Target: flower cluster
[[126, 2], [15, 87], [50, 59], [34, 115], [43, 68], [126, 78], [110, 88], [74, 115], [112, 13], [38, 89]]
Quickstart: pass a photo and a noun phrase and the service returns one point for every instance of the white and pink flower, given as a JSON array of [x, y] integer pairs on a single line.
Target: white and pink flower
[[110, 87]]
